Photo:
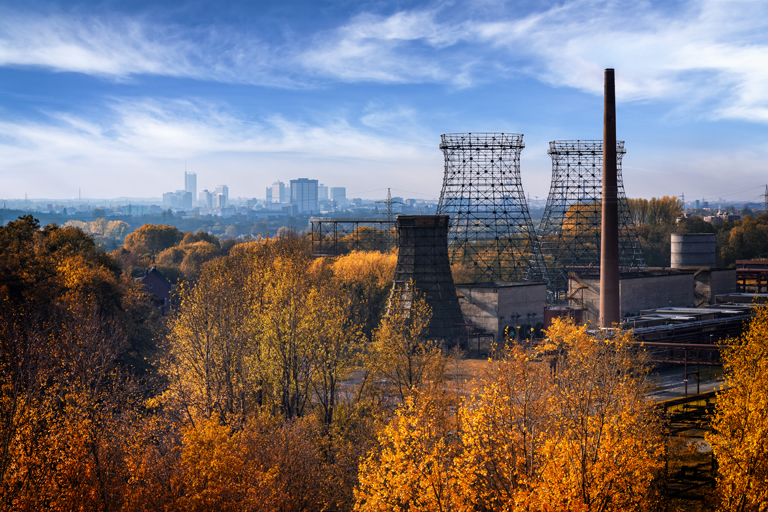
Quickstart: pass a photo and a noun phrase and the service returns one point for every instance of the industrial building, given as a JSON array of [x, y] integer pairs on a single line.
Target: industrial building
[[655, 288], [501, 308]]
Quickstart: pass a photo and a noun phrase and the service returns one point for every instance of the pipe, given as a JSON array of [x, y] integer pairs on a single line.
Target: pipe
[[610, 310]]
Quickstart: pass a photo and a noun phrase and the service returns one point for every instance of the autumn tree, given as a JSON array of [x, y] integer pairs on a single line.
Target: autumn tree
[[655, 220], [401, 356], [740, 437], [152, 239], [70, 333], [413, 468], [604, 449], [365, 277], [566, 428], [504, 428]]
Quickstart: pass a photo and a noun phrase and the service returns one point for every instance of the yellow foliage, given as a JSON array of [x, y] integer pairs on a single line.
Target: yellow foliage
[[366, 279], [400, 356], [266, 466], [414, 467], [569, 431], [740, 438]]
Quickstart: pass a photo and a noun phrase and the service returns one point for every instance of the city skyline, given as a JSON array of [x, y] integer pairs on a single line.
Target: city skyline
[[119, 100]]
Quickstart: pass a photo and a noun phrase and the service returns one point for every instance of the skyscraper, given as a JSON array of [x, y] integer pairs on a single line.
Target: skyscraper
[[280, 193], [223, 190], [322, 191], [206, 199], [304, 195], [190, 183], [339, 194]]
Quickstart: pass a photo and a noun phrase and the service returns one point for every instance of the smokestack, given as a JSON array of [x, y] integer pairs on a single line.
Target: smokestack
[[610, 311]]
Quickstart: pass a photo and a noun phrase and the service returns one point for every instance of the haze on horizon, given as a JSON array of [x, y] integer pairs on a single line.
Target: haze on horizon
[[118, 97]]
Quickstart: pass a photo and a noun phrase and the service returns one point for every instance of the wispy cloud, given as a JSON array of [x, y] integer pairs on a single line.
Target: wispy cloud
[[137, 140], [406, 47], [119, 48], [708, 56], [710, 52]]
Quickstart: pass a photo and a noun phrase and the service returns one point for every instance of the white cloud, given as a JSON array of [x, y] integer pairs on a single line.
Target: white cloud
[[705, 56], [121, 47], [398, 48], [143, 140]]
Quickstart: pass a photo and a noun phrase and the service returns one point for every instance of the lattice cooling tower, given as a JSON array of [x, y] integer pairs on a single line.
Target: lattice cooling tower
[[491, 231], [569, 234]]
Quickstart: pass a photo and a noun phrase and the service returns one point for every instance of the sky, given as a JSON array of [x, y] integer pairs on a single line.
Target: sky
[[118, 98]]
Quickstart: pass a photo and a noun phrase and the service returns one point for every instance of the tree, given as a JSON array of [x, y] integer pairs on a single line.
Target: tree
[[740, 437], [200, 236], [604, 449], [746, 239], [366, 278], [400, 356], [655, 220], [152, 239], [414, 465], [72, 333], [117, 230], [504, 428], [566, 429], [212, 365]]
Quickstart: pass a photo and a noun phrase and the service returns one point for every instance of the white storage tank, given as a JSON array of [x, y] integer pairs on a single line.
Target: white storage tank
[[694, 250]]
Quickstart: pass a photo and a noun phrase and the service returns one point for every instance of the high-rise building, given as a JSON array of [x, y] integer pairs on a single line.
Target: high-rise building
[[280, 193], [206, 199], [339, 194], [322, 191], [190, 183], [178, 199], [304, 195], [224, 190], [184, 199], [220, 200], [170, 200], [269, 195]]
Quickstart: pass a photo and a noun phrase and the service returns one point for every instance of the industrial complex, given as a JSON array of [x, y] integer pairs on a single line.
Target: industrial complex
[[584, 261]]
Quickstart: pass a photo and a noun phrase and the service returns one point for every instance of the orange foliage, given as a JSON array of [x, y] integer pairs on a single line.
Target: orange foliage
[[740, 438], [578, 434]]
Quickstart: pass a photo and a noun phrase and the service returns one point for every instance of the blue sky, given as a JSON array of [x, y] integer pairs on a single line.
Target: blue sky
[[117, 97]]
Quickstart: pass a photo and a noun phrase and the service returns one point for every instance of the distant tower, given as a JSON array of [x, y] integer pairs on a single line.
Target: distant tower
[[304, 195], [422, 259], [389, 212], [569, 233], [190, 183], [222, 190], [765, 200], [280, 193], [491, 230]]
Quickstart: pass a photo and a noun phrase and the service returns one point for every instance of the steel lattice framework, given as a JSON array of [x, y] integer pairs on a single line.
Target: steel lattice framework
[[333, 237], [491, 230], [569, 234]]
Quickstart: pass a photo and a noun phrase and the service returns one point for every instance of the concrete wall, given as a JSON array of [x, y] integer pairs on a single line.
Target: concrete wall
[[713, 281], [494, 306], [655, 291]]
